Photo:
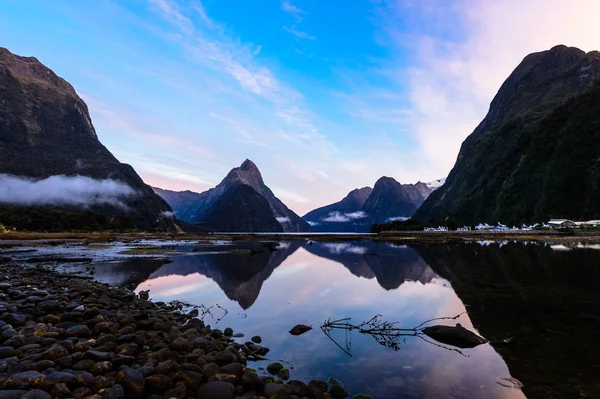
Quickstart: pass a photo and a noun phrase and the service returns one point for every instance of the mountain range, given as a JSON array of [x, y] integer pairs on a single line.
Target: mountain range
[[536, 154], [56, 173], [387, 201], [241, 202]]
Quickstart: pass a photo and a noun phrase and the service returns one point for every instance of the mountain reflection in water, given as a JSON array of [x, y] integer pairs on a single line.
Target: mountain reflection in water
[[268, 292]]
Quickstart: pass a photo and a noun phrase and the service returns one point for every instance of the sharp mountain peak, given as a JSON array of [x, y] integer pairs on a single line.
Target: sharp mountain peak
[[248, 165]]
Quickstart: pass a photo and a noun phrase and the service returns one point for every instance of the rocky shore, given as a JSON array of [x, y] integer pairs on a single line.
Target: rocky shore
[[63, 336]]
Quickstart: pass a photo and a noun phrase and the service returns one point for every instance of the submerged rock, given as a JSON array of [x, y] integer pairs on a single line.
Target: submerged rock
[[256, 339], [216, 390], [284, 374], [274, 368], [338, 392], [300, 329], [118, 346], [455, 336]]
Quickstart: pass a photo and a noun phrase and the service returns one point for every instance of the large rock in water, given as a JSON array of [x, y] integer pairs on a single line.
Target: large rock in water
[[241, 202], [454, 335], [536, 155], [45, 130]]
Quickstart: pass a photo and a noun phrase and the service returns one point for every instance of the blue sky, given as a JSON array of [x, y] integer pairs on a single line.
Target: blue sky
[[324, 96]]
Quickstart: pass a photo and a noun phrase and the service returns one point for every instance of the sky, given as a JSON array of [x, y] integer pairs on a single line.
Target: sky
[[324, 96]]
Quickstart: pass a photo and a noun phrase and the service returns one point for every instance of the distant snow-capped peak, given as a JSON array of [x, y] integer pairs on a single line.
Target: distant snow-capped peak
[[435, 184]]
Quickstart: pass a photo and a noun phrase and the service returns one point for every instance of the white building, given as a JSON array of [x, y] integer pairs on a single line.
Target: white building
[[483, 226], [559, 223]]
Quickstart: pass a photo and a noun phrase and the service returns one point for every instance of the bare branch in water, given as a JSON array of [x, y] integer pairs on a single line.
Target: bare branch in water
[[203, 311], [441, 318], [386, 333], [225, 312]]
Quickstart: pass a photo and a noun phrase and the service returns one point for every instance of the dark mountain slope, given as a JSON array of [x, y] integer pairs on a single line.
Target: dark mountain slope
[[183, 203], [45, 130], [231, 207], [241, 208], [536, 154], [391, 199], [361, 208], [352, 202]]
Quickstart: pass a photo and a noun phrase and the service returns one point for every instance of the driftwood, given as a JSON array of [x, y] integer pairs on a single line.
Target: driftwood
[[391, 335]]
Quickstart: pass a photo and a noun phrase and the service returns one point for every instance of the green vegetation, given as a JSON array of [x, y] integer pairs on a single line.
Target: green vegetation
[[45, 130], [51, 219], [535, 155], [2, 228]]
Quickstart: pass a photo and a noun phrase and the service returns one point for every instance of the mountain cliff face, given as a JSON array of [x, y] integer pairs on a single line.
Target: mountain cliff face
[[241, 202], [391, 200], [241, 208], [536, 155], [361, 208], [45, 130]]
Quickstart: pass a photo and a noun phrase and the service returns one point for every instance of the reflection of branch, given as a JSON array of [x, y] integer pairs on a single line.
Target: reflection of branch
[[441, 346], [441, 318], [224, 313], [327, 332], [201, 311], [386, 333]]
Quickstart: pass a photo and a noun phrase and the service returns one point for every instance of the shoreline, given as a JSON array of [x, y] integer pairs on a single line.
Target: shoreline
[[396, 236], [70, 336]]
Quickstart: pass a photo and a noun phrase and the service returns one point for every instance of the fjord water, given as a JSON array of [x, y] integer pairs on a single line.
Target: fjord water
[[512, 290]]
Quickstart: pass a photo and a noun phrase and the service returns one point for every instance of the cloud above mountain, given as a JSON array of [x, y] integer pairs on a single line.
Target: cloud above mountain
[[339, 217], [387, 87], [62, 190]]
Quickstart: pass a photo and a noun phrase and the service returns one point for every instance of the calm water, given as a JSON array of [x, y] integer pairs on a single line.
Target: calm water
[[267, 293]]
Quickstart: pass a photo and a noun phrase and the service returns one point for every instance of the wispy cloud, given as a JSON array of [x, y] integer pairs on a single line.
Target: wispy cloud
[[289, 195], [63, 190], [235, 125], [223, 53], [291, 9], [299, 34], [199, 8], [298, 16], [170, 11], [459, 54], [339, 217]]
